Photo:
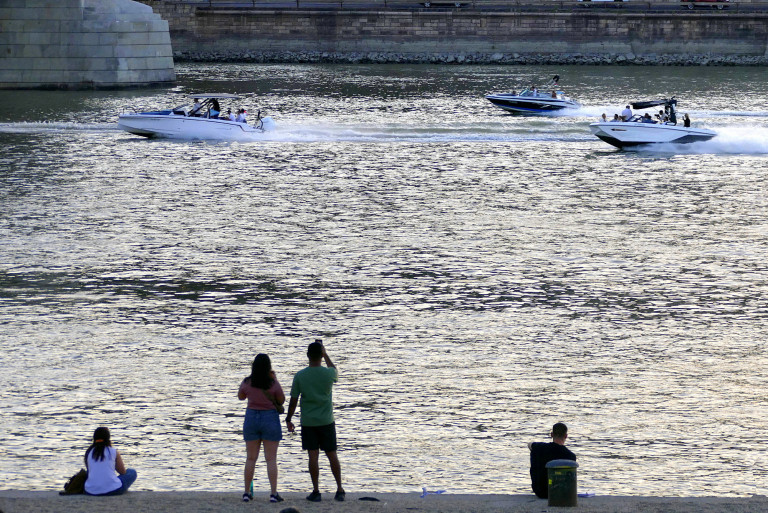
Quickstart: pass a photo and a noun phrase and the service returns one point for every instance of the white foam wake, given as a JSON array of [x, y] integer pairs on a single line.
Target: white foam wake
[[733, 139], [26, 127]]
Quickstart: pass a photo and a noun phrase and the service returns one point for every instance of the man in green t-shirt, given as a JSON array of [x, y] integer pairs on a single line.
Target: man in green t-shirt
[[314, 385]]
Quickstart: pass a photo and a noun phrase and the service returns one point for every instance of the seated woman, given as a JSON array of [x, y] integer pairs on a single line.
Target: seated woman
[[215, 109], [102, 461]]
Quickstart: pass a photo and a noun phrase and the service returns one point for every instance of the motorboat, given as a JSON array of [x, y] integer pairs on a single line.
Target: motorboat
[[201, 120], [533, 101], [639, 130]]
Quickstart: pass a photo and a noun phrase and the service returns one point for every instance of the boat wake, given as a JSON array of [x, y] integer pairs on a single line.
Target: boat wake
[[730, 140], [31, 127], [410, 134]]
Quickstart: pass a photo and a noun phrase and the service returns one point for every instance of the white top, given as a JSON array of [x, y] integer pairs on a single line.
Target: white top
[[241, 118], [102, 477]]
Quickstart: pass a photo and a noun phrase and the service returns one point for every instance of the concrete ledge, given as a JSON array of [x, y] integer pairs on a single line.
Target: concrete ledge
[[225, 502], [83, 43], [421, 35]]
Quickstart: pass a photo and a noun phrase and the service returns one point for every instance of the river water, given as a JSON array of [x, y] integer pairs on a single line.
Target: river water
[[476, 277]]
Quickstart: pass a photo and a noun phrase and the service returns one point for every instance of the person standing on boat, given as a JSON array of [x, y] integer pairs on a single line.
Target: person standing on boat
[[314, 385], [626, 114]]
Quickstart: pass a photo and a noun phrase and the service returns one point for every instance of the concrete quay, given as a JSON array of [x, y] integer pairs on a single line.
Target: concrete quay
[[662, 33]]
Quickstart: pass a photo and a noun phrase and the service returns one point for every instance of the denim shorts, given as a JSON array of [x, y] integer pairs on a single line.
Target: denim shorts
[[262, 425]]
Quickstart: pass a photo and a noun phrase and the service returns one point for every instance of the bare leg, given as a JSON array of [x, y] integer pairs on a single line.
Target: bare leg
[[270, 454], [314, 469], [333, 459], [252, 454]]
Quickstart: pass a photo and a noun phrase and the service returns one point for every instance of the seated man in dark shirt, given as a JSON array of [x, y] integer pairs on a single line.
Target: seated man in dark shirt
[[542, 453]]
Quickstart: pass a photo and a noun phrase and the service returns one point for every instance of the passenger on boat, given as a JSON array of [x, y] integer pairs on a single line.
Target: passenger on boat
[[230, 116], [615, 118], [626, 113], [648, 119], [686, 121], [196, 106], [215, 109], [241, 116], [604, 118], [554, 93]]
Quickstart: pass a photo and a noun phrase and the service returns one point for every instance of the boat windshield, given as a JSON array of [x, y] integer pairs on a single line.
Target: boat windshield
[[182, 109]]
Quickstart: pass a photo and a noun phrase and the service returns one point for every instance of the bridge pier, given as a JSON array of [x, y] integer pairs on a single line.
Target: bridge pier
[[82, 44]]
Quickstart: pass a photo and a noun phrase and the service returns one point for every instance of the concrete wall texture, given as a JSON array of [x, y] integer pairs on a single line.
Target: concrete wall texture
[[82, 44], [609, 32]]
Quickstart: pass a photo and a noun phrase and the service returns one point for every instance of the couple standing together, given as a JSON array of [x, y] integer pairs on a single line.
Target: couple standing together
[[312, 390]]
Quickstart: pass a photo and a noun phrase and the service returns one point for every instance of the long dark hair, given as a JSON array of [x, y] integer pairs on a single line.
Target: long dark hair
[[260, 372], [101, 440]]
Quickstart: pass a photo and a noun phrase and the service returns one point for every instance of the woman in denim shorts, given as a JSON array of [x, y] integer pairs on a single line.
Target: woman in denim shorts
[[262, 422]]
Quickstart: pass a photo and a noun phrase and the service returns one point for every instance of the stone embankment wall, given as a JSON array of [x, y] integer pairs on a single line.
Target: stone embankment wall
[[583, 36], [76, 44]]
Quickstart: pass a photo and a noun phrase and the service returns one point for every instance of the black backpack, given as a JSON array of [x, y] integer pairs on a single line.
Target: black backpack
[[76, 483]]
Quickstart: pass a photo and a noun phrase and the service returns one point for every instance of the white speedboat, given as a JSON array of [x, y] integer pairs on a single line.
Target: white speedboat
[[640, 130], [533, 101], [201, 120]]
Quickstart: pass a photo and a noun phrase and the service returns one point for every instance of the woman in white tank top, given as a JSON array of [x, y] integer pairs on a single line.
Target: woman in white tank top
[[107, 474]]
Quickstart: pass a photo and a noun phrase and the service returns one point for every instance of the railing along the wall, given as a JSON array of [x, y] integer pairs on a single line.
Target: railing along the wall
[[493, 5]]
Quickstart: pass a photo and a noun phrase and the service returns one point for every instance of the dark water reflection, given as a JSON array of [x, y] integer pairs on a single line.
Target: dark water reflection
[[476, 276]]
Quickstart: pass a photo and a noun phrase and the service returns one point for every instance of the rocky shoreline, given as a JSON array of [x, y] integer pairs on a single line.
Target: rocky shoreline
[[309, 57]]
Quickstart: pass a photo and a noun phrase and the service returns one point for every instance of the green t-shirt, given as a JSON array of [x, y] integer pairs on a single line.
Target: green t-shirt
[[315, 387]]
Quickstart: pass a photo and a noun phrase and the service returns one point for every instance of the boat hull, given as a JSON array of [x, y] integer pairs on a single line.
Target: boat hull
[[530, 105], [174, 126], [625, 135]]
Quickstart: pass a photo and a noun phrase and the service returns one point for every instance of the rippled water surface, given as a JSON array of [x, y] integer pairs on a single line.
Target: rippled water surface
[[476, 277]]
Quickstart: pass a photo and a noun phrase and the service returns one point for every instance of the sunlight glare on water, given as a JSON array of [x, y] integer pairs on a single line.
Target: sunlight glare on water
[[476, 277]]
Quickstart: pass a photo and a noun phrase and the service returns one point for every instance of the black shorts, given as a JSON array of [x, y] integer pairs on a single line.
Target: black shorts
[[319, 437]]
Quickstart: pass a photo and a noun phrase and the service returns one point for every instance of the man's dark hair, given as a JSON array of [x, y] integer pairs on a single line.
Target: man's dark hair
[[559, 430], [315, 351]]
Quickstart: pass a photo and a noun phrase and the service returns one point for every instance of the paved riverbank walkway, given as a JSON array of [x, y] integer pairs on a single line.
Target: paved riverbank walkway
[[13, 501]]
